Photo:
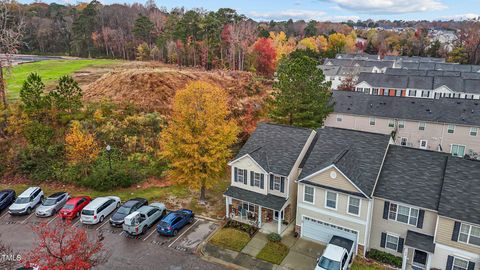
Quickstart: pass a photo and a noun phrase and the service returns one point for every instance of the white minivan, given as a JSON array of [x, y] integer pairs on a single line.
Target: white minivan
[[98, 209], [26, 202]]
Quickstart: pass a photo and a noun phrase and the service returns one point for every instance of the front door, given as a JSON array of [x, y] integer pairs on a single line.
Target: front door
[[275, 217], [419, 260]]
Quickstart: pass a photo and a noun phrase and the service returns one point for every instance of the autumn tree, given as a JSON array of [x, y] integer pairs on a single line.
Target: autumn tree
[[61, 246], [301, 97], [9, 259], [265, 56], [348, 84], [81, 147], [198, 137]]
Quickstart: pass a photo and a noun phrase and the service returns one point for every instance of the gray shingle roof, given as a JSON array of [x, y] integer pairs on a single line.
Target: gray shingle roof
[[412, 176], [461, 190], [359, 62], [276, 147], [357, 154], [444, 110], [269, 201], [384, 80], [420, 241]]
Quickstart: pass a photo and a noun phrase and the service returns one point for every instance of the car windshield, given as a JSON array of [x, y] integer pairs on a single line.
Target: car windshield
[[164, 224], [22, 200], [69, 206], [328, 264], [87, 212], [124, 210], [50, 202]]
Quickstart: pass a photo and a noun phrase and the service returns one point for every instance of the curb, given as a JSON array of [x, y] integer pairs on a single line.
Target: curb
[[209, 219]]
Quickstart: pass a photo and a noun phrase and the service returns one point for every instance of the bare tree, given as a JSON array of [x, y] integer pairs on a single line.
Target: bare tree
[[8, 260], [11, 32]]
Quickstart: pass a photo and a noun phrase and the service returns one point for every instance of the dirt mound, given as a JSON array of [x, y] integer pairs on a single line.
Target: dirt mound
[[153, 87]]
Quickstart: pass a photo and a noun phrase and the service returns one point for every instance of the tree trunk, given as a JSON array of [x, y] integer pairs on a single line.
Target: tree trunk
[[3, 96], [202, 194]]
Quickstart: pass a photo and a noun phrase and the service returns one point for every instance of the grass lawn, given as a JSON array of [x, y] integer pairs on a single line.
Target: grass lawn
[[273, 252], [49, 70], [362, 264], [150, 193], [230, 239]]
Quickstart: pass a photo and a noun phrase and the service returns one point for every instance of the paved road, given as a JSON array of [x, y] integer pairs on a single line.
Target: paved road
[[149, 251]]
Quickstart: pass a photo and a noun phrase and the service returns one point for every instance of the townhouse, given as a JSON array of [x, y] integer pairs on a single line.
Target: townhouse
[[263, 188], [436, 86], [447, 125]]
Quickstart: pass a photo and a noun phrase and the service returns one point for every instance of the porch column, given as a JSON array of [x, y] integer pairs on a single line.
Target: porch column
[[259, 216], [279, 220], [404, 258], [226, 208], [429, 260]]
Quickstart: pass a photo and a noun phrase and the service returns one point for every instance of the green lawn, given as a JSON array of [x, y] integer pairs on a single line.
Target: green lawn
[[273, 252], [49, 70], [151, 193], [231, 239]]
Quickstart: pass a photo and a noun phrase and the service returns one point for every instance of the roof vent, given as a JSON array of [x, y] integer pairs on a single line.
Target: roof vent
[[458, 102], [413, 102], [476, 103], [348, 109], [371, 105]]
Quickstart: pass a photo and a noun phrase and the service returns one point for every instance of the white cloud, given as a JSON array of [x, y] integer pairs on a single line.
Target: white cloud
[[461, 17], [390, 6], [297, 14]]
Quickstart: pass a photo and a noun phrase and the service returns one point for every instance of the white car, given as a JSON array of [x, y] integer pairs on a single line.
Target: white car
[[338, 255], [26, 202], [98, 209]]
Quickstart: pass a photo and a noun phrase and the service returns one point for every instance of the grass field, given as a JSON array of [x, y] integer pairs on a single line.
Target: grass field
[[49, 70]]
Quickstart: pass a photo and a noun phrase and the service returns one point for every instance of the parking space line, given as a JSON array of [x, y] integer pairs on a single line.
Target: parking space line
[[183, 233], [120, 233], [23, 222], [76, 223], [102, 225], [154, 230], [6, 212], [48, 223]]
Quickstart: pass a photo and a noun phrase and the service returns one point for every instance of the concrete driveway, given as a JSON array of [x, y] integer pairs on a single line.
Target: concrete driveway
[[303, 254]]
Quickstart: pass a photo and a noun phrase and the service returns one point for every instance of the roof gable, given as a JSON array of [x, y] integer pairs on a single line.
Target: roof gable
[[331, 176]]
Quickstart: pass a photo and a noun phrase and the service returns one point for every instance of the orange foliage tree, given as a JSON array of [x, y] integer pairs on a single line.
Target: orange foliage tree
[[265, 56], [198, 137]]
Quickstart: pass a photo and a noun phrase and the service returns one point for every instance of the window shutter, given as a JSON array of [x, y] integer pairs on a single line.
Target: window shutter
[[235, 174], [456, 231], [282, 184], [245, 174], [261, 180], [400, 245], [449, 263], [421, 215], [252, 175], [386, 206], [471, 265], [383, 240], [271, 181]]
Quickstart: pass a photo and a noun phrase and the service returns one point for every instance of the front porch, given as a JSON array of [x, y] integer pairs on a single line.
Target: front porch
[[268, 217], [418, 251]]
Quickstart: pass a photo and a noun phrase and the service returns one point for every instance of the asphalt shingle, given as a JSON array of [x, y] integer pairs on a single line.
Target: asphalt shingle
[[420, 241], [269, 201]]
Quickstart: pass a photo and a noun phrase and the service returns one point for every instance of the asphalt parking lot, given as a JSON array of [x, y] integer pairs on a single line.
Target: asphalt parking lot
[[148, 251]]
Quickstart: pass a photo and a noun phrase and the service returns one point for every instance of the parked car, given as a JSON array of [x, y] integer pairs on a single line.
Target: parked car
[[139, 221], [26, 202], [74, 206], [7, 197], [175, 221], [337, 255], [126, 209], [52, 204], [98, 209]]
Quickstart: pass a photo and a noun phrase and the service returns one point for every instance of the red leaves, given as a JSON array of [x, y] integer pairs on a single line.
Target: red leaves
[[265, 56], [62, 246]]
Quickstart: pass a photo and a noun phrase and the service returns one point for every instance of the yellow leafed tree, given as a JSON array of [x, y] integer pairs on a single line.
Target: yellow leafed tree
[[80, 145], [283, 45], [308, 43], [198, 137]]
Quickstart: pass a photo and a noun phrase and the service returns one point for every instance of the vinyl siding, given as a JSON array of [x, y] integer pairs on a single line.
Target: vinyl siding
[[247, 163], [340, 182], [444, 236]]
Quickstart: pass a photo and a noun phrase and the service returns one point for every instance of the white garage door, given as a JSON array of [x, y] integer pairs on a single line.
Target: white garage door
[[322, 232]]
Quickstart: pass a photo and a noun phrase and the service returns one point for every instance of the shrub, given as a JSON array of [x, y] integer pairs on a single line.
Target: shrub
[[251, 230], [274, 237], [385, 257]]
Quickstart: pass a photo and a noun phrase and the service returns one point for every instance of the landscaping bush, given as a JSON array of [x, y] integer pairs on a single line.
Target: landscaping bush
[[273, 252], [230, 238], [251, 230], [385, 257], [274, 237]]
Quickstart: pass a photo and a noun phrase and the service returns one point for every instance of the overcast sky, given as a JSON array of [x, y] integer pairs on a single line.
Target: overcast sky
[[334, 10]]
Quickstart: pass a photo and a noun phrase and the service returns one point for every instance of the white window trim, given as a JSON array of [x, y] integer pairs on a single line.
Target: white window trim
[[400, 123], [469, 234], [476, 131], [240, 174], [255, 179], [406, 141], [279, 183], [409, 214], [461, 259], [392, 235], [426, 144], [326, 199], [448, 128], [464, 146], [372, 119], [424, 126], [391, 121], [359, 206], [314, 190], [339, 117]]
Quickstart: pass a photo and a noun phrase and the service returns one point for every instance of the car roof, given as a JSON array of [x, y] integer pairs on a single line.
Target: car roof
[[29, 191], [144, 209], [171, 216], [75, 199], [6, 191], [96, 203], [132, 202], [333, 253], [57, 194]]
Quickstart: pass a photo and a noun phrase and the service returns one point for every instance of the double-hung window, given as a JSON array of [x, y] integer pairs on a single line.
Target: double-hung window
[[339, 118], [458, 150], [392, 242], [391, 123], [241, 175], [469, 234], [403, 214], [425, 93], [277, 182], [308, 194], [459, 264], [451, 129], [331, 200], [354, 206], [412, 93], [421, 125], [401, 124], [371, 121], [256, 179], [473, 131]]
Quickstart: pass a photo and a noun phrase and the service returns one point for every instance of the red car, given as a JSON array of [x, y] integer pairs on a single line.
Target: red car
[[74, 206]]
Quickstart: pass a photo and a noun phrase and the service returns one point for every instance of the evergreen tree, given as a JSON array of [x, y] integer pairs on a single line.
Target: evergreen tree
[[311, 29], [143, 29]]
